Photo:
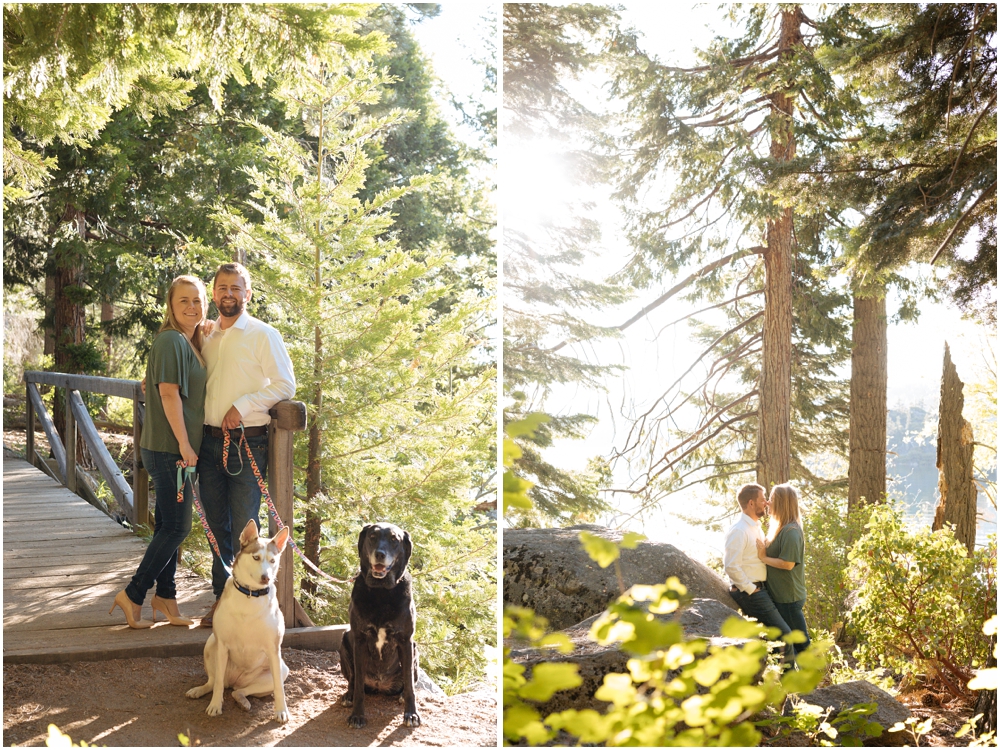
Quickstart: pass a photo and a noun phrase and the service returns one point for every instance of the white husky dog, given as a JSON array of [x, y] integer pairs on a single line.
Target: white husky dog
[[244, 650]]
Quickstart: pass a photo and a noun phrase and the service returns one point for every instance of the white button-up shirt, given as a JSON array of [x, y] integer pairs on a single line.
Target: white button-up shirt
[[249, 368], [740, 559]]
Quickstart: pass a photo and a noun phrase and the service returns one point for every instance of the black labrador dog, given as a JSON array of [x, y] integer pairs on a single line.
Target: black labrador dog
[[378, 654]]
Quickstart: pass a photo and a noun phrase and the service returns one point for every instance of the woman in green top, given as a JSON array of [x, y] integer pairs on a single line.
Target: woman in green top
[[784, 554], [171, 436]]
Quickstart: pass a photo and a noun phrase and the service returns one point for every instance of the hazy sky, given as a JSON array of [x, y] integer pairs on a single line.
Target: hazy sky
[[452, 40]]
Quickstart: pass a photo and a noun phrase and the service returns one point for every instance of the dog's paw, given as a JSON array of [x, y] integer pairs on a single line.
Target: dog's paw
[[281, 717], [411, 720], [196, 692], [348, 701], [241, 701], [356, 721], [214, 709]]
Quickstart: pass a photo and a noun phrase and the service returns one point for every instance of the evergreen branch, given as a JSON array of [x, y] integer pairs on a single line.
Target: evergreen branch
[[968, 138], [768, 54], [720, 118], [990, 190], [419, 573], [716, 465], [684, 284], [710, 307], [699, 204], [954, 70], [704, 426], [640, 422], [723, 123], [730, 359], [715, 343]]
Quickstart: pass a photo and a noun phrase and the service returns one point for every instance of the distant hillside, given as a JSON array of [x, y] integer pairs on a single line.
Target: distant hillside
[[912, 469]]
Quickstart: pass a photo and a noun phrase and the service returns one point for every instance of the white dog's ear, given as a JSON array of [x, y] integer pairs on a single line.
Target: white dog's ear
[[249, 533], [280, 539]]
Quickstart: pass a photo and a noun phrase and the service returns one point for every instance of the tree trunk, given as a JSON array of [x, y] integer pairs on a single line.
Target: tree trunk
[[314, 480], [107, 315], [49, 323], [69, 318], [869, 380], [314, 483], [986, 700], [774, 418], [957, 503]]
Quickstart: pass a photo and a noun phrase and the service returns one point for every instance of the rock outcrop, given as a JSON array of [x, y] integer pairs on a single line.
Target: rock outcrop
[[548, 571], [847, 694]]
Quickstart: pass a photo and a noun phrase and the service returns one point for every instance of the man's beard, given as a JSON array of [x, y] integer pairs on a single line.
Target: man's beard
[[231, 308]]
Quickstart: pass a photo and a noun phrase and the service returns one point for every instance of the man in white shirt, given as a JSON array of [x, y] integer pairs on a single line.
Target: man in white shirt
[[249, 371], [744, 567]]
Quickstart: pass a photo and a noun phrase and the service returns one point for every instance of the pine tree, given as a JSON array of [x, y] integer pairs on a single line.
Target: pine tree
[[729, 133], [387, 425], [910, 131], [924, 168]]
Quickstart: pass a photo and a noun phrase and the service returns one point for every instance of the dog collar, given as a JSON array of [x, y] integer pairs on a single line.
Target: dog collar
[[250, 592]]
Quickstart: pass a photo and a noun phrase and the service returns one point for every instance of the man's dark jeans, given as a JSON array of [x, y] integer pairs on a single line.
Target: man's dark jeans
[[172, 523], [791, 613], [229, 501], [761, 607]]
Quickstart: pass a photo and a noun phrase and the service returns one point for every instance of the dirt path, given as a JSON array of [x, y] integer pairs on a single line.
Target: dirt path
[[141, 703]]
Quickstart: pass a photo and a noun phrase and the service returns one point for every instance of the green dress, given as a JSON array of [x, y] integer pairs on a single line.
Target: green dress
[[786, 586], [172, 360]]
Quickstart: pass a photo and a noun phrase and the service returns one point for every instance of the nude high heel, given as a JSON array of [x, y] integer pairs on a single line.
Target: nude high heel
[[122, 600], [168, 607]]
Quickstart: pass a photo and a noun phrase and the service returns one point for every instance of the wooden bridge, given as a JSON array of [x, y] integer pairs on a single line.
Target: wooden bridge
[[63, 563], [64, 559]]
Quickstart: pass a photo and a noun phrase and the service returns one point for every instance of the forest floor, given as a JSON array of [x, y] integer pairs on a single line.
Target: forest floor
[[141, 703]]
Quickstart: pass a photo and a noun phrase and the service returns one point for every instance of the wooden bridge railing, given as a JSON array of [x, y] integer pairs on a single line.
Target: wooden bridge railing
[[287, 417]]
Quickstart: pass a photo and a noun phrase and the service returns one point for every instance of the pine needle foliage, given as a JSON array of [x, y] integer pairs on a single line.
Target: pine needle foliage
[[923, 169], [68, 67]]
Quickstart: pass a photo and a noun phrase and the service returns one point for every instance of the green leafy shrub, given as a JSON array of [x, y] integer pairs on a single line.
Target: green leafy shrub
[[830, 532], [921, 601], [842, 670], [677, 692]]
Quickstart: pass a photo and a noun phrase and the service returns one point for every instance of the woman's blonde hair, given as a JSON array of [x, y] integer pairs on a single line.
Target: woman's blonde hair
[[170, 322], [784, 508]]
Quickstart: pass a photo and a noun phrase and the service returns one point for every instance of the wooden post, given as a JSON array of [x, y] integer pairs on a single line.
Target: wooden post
[[29, 421], [70, 445], [140, 479], [287, 417]]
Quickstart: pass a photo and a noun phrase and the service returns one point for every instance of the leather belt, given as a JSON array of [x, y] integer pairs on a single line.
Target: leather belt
[[248, 431]]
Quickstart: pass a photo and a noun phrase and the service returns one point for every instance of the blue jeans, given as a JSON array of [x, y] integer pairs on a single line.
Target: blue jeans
[[229, 501], [791, 613], [172, 524], [761, 607]]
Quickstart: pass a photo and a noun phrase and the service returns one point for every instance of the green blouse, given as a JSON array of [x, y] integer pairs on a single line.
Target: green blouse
[[172, 360], [786, 586]]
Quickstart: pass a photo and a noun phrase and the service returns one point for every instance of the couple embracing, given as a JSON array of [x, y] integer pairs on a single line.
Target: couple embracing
[[203, 380], [769, 582]]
